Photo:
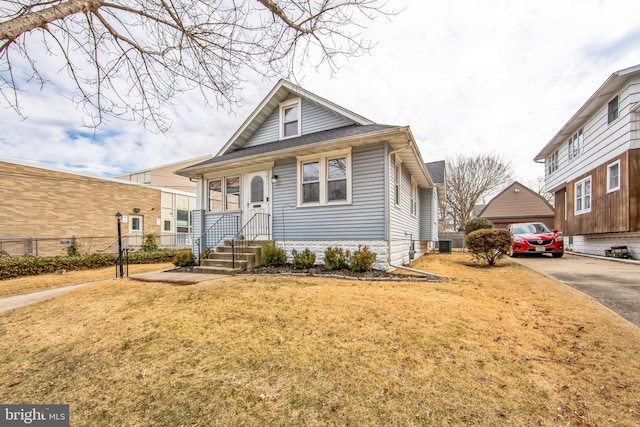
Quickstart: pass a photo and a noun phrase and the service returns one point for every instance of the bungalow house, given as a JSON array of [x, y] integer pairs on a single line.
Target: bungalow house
[[306, 173], [517, 203], [593, 168]]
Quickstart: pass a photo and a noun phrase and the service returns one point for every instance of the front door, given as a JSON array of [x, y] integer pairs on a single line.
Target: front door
[[257, 201], [136, 230]]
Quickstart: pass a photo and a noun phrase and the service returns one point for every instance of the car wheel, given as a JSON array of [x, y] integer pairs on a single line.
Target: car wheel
[[557, 255]]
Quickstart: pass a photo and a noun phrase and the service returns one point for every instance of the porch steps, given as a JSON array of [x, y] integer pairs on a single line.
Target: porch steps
[[221, 261]]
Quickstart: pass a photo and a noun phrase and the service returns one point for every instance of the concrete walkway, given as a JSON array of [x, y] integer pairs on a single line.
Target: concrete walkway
[[16, 301], [175, 277]]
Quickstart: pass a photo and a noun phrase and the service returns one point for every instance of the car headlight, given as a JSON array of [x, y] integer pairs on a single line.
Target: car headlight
[[518, 239], [559, 239]]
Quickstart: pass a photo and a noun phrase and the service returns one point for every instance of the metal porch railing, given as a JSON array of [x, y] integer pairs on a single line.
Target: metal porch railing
[[225, 226], [258, 225]]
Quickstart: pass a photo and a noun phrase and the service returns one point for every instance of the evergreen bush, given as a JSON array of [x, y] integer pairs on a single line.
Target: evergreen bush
[[489, 245], [303, 260]]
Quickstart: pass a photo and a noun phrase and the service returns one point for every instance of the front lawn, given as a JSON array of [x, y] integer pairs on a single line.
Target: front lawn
[[489, 346]]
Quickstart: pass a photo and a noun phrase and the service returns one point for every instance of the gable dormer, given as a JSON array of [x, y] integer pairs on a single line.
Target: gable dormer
[[290, 118], [287, 112]]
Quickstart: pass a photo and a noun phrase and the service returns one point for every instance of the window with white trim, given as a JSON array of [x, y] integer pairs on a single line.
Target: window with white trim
[[613, 109], [224, 194], [576, 144], [414, 197], [290, 125], [583, 196], [613, 176], [324, 179], [398, 182], [552, 162]]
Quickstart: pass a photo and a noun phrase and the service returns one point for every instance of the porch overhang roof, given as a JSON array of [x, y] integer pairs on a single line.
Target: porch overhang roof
[[399, 138]]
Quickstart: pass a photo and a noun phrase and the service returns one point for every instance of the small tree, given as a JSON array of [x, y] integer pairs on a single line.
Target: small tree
[[489, 245], [477, 224]]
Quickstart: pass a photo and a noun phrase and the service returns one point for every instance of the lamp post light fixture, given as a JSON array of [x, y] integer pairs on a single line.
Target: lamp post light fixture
[[120, 260]]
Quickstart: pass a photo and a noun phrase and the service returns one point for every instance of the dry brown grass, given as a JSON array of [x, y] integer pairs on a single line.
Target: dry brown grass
[[499, 346], [23, 285]]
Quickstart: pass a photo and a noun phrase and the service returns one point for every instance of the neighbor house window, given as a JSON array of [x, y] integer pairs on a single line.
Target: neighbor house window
[[414, 198], [290, 118], [182, 221], [613, 176], [552, 162], [325, 179], [224, 194], [583, 196], [613, 110], [576, 144], [167, 225]]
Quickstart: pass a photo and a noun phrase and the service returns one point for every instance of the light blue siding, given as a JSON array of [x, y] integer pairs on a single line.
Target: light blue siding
[[314, 119], [363, 219], [427, 211]]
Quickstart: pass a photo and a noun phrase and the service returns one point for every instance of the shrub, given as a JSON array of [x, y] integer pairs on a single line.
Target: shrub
[[73, 249], [336, 258], [274, 256], [184, 259], [26, 266], [362, 259], [150, 243], [489, 245], [477, 224], [4, 253], [303, 260]]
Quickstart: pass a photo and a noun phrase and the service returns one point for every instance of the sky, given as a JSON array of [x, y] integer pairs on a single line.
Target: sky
[[469, 77]]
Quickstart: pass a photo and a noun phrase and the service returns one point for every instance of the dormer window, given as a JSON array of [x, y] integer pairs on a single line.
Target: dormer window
[[290, 118]]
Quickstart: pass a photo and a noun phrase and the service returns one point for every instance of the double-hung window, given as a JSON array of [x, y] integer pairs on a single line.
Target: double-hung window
[[576, 144], [552, 162], [290, 125], [324, 179], [583, 196], [224, 194], [613, 176], [398, 183], [414, 197], [613, 109]]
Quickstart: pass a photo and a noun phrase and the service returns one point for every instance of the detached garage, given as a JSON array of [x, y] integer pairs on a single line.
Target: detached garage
[[518, 203]]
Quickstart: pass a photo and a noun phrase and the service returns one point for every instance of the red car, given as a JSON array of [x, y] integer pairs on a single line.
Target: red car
[[535, 238]]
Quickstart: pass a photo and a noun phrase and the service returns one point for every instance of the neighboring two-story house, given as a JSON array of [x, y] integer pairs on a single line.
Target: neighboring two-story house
[[593, 167], [307, 173]]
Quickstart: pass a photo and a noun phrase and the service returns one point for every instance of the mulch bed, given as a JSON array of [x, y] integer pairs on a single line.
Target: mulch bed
[[321, 271]]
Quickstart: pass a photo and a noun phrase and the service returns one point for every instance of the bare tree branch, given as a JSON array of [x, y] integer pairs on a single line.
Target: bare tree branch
[[128, 58], [469, 178]]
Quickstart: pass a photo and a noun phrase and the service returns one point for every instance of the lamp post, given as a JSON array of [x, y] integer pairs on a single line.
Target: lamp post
[[120, 263]]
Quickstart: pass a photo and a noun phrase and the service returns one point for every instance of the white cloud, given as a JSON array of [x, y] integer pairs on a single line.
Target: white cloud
[[468, 76]]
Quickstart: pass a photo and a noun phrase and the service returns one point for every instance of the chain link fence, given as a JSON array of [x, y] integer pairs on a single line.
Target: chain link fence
[[54, 246]]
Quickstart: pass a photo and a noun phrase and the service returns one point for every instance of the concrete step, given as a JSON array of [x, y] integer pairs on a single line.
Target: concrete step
[[216, 270], [224, 263]]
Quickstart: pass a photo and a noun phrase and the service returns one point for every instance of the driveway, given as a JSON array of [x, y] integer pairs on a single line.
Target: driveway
[[614, 284]]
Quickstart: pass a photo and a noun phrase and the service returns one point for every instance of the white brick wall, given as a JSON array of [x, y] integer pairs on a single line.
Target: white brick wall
[[319, 246], [597, 243]]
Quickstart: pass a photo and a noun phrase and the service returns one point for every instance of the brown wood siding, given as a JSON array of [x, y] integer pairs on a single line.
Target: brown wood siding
[[610, 212], [633, 179], [560, 222]]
